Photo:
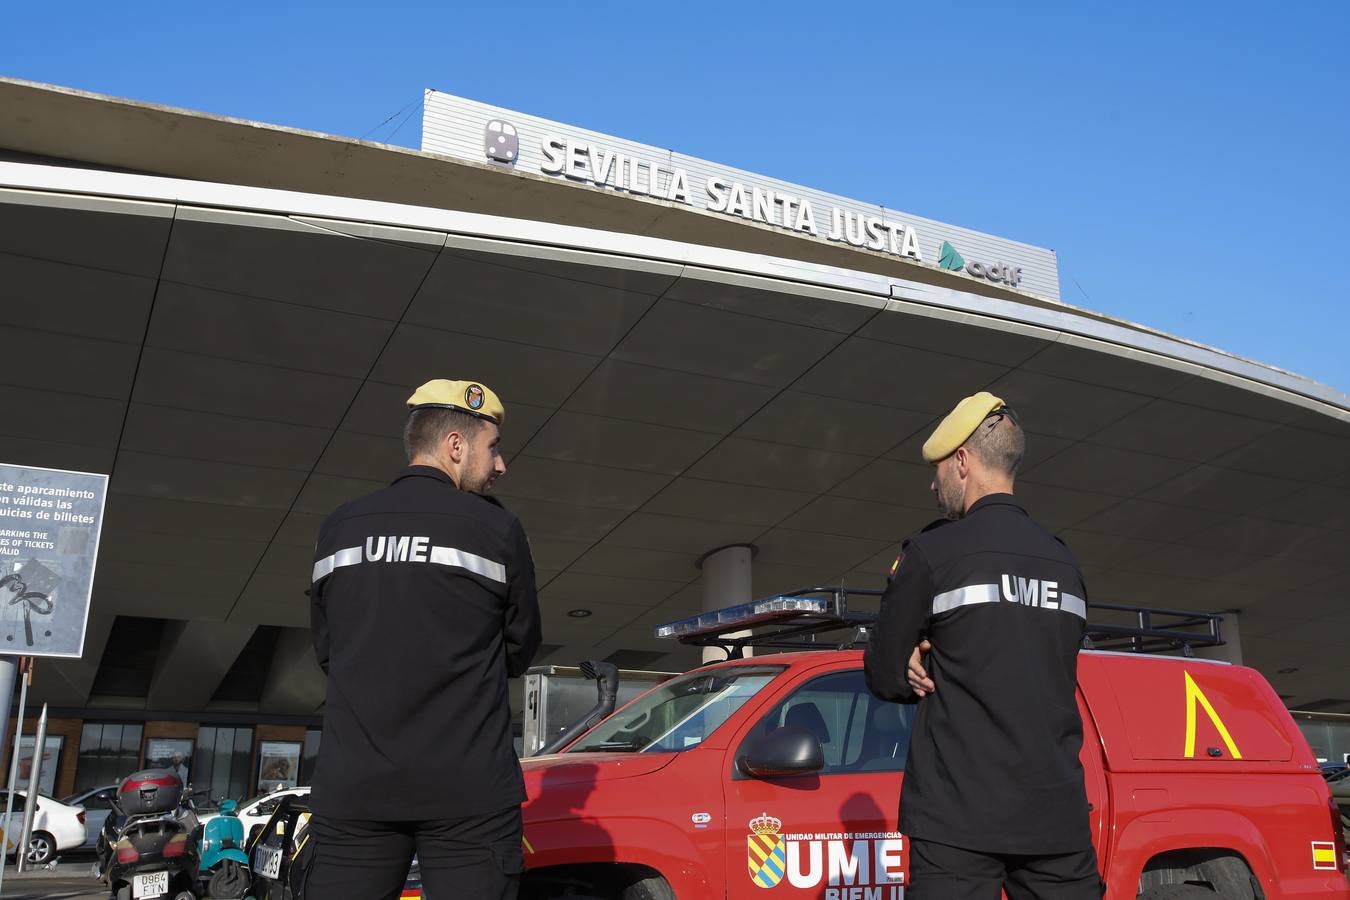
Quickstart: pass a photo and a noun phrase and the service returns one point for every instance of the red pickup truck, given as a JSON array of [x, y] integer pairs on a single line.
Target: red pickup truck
[[778, 776]]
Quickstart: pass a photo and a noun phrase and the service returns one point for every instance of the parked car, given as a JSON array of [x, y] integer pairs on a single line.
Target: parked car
[[97, 803], [56, 827], [255, 812], [1340, 787]]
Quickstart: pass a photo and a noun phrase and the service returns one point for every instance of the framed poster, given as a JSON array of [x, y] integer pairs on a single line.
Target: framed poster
[[51, 761], [171, 753], [278, 765]]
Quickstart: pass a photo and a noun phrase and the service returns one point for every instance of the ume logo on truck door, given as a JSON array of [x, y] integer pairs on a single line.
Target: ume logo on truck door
[[826, 865], [766, 856]]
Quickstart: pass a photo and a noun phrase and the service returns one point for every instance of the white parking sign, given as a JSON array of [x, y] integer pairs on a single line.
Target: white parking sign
[[50, 521]]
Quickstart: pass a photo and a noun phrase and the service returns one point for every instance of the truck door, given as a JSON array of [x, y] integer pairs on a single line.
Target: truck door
[[1094, 779], [832, 835]]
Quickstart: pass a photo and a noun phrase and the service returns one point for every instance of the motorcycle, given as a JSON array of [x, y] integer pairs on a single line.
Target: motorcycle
[[147, 846], [223, 865], [283, 853]]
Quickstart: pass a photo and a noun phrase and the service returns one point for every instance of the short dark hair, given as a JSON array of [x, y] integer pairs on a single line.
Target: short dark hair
[[1000, 442], [426, 428]]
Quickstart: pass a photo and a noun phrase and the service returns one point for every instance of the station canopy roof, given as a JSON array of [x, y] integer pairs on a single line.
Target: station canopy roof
[[238, 359]]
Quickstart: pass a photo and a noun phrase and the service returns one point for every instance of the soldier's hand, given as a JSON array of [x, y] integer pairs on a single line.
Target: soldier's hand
[[917, 675]]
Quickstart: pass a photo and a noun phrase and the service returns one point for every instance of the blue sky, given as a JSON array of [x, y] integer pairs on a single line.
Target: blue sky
[[1188, 162]]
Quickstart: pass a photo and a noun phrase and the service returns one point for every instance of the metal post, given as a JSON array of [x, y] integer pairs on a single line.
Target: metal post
[[34, 779], [14, 769], [9, 668]]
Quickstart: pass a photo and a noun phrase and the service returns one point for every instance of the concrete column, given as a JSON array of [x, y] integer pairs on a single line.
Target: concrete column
[[295, 683], [727, 581]]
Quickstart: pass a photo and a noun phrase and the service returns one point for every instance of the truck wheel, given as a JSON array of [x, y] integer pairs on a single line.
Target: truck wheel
[[654, 888], [1179, 892]]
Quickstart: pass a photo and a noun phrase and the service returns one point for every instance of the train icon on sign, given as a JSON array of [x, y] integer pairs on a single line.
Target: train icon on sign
[[501, 142]]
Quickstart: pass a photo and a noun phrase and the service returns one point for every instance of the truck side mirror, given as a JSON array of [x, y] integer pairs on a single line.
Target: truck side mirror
[[781, 753]]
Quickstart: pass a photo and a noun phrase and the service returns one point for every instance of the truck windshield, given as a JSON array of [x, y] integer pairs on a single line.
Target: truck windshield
[[679, 714]]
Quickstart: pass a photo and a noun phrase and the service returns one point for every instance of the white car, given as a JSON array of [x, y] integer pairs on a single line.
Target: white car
[[255, 812], [97, 803], [56, 827]]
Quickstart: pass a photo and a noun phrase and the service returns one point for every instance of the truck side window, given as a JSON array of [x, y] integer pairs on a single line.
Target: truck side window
[[857, 732]]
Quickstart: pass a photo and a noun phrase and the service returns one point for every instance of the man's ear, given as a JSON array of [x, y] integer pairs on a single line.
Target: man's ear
[[962, 461], [453, 444]]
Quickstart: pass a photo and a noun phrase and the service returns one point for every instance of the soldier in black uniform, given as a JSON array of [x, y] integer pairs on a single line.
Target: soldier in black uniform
[[993, 794], [423, 603]]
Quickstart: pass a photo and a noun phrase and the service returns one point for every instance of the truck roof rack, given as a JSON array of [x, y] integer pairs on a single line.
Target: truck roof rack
[[819, 618]]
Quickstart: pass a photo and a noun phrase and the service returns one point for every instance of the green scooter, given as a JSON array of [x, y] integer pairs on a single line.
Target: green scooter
[[224, 864]]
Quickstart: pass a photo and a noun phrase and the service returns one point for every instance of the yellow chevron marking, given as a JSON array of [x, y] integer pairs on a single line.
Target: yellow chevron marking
[[1196, 696]]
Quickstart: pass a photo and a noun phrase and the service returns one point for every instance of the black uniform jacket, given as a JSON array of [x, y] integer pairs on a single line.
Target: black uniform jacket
[[993, 762], [423, 603]]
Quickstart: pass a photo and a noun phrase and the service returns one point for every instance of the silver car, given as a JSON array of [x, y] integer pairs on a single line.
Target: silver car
[[97, 803]]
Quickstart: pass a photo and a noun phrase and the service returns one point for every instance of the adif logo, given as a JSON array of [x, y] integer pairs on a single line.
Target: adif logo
[[501, 142], [847, 865], [953, 261], [950, 259]]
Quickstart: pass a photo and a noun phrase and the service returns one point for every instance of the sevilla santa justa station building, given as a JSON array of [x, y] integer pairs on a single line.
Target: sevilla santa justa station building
[[716, 383]]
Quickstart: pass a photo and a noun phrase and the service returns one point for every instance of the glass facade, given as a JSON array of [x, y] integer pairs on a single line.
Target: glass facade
[[221, 768], [1328, 736], [109, 751]]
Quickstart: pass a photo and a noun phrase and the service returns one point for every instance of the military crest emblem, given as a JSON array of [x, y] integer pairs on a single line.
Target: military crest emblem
[[765, 852], [474, 397]]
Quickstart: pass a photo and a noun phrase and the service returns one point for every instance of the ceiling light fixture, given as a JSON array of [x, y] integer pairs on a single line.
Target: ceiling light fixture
[[1289, 671], [578, 613]]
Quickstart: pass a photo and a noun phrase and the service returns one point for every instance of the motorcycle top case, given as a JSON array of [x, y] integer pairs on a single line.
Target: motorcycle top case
[[149, 791]]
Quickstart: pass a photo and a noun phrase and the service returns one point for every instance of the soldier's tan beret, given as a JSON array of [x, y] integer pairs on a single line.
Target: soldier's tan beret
[[959, 425], [472, 397]]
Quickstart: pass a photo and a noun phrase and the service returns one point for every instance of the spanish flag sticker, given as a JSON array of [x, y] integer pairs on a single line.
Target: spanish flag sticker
[[895, 567], [1324, 855]]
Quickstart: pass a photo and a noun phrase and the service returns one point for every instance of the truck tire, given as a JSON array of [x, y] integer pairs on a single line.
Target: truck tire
[[1179, 892], [654, 888], [643, 890]]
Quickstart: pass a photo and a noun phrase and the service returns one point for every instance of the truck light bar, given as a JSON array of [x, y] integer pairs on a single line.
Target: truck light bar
[[796, 620], [756, 612]]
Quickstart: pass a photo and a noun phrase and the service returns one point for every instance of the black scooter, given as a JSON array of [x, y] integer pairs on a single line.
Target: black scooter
[[148, 847]]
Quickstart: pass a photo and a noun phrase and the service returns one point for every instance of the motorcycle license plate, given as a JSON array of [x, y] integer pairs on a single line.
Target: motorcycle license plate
[[151, 884], [267, 862]]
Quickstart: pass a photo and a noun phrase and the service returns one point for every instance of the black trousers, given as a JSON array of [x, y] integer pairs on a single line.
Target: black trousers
[[942, 872], [479, 857]]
